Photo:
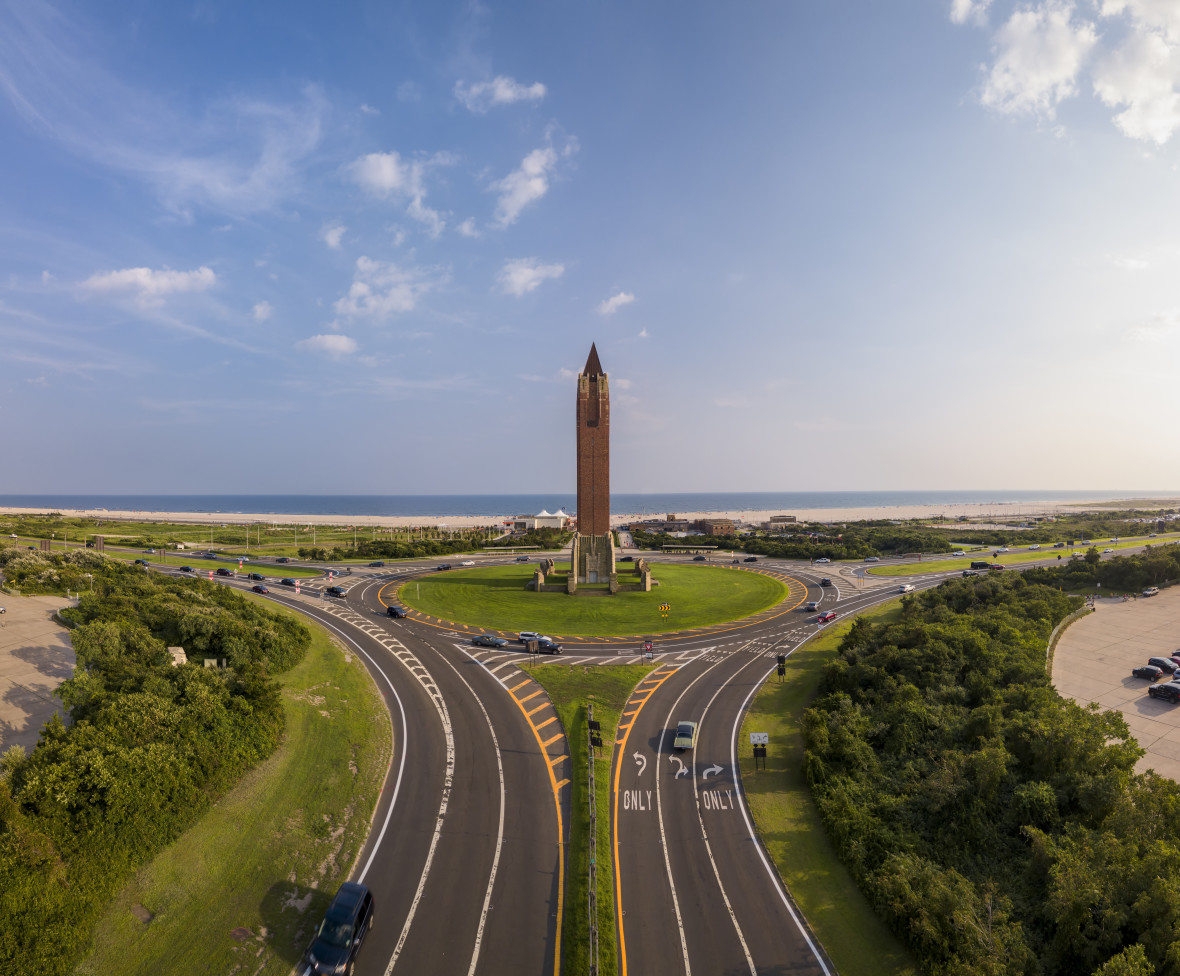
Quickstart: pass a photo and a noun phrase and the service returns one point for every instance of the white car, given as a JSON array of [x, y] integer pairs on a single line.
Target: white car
[[822, 559], [528, 635], [958, 552], [906, 588], [1107, 550], [872, 559], [1031, 548], [2, 610], [467, 562], [1002, 549]]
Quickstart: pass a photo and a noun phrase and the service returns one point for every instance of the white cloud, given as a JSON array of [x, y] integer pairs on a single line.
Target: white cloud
[[615, 302], [1141, 75], [973, 10], [389, 175], [332, 234], [501, 90], [263, 311], [642, 334], [148, 286], [1155, 14], [1131, 264], [524, 275], [1039, 53], [468, 228], [331, 345], [621, 384], [381, 289], [369, 110], [527, 183]]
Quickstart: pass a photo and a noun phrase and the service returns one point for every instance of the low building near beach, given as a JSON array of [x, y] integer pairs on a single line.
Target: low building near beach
[[542, 520]]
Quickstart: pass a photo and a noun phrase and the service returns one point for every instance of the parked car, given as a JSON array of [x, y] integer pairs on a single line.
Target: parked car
[[259, 588], [1148, 671], [376, 564], [686, 733], [1151, 591], [255, 576], [334, 591], [186, 569], [2, 610], [342, 932], [1164, 664], [487, 640], [286, 582], [824, 618], [810, 605], [222, 571], [546, 645], [1168, 691]]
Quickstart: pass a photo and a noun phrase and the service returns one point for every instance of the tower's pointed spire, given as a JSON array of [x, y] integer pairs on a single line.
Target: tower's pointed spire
[[593, 366]]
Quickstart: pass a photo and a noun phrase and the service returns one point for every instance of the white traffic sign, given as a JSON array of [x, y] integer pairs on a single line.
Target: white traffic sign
[[759, 738]]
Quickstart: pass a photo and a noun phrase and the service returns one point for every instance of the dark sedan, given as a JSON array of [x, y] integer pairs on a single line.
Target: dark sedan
[[1148, 672], [286, 582], [1164, 664], [222, 571], [259, 588], [255, 576], [545, 646]]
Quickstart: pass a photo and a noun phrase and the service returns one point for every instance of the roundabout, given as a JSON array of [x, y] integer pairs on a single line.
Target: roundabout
[[689, 598]]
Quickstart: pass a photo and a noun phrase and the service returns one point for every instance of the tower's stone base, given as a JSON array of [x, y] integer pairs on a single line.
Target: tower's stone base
[[593, 558]]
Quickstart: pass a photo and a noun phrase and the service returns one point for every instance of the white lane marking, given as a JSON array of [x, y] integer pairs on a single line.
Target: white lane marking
[[775, 880], [487, 899]]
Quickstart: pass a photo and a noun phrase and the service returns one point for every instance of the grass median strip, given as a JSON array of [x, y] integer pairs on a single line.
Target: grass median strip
[[789, 823], [244, 888], [572, 690]]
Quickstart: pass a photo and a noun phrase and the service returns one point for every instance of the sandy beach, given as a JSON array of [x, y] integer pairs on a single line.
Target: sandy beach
[[1000, 511]]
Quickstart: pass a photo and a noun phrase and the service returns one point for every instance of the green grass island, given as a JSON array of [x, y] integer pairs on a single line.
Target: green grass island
[[502, 598]]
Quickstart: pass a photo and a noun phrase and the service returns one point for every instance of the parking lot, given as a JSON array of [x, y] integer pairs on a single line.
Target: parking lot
[[35, 657], [1093, 663]]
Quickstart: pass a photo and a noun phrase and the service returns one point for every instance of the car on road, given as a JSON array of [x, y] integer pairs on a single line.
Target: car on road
[[1148, 671], [1151, 591], [283, 559], [522, 559], [334, 591], [487, 640], [1031, 548], [396, 610], [971, 572], [467, 562], [826, 581], [1105, 551], [150, 552], [958, 552], [244, 559], [824, 618], [1168, 691], [1058, 545], [186, 569], [1002, 549], [996, 566], [906, 588], [527, 635], [286, 582], [686, 733], [872, 559], [377, 564], [750, 559], [698, 559], [823, 560], [255, 576], [442, 566], [626, 559], [1164, 664], [547, 645], [259, 588], [141, 562], [222, 571], [342, 932], [810, 605]]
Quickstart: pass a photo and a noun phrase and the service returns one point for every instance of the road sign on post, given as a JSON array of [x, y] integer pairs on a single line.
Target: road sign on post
[[759, 738]]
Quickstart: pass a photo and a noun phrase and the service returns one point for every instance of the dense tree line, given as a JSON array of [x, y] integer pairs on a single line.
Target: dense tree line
[[32, 571], [996, 826], [427, 548], [147, 748]]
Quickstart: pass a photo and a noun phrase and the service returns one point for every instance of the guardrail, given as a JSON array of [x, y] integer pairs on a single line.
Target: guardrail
[[592, 900], [1059, 630]]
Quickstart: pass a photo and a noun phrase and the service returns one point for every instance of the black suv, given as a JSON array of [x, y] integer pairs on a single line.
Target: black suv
[[334, 591], [255, 576], [396, 610], [826, 581], [548, 647], [343, 930], [222, 571], [1168, 691]]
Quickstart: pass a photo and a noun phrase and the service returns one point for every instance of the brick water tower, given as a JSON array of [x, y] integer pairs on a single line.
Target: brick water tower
[[593, 555]]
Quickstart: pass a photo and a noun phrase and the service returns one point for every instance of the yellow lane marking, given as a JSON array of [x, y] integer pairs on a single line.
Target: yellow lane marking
[[548, 742], [556, 759], [537, 709], [561, 783], [522, 684], [552, 718], [528, 697], [614, 828]]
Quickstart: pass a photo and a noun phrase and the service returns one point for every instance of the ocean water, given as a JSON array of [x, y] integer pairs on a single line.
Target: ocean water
[[786, 502]]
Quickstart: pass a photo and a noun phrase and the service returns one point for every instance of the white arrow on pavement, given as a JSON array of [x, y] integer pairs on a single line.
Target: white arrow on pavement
[[682, 771], [640, 761], [711, 770]]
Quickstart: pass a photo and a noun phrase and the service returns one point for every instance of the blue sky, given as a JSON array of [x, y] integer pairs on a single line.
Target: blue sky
[[365, 247]]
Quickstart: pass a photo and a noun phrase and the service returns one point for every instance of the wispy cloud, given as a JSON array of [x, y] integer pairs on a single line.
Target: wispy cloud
[[963, 11], [388, 175], [615, 302], [148, 286], [332, 234], [381, 289], [527, 183], [523, 275], [468, 228], [501, 90], [332, 344], [263, 311]]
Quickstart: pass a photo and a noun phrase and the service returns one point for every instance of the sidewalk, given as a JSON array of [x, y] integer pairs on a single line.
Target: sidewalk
[[1093, 662], [35, 657]]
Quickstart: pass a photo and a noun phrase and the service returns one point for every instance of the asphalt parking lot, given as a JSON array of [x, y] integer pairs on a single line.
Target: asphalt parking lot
[[35, 657], [1093, 663]]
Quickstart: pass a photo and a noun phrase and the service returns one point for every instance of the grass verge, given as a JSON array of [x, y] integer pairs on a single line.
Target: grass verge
[[572, 690], [789, 824], [243, 889], [1006, 558], [497, 598], [173, 560]]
